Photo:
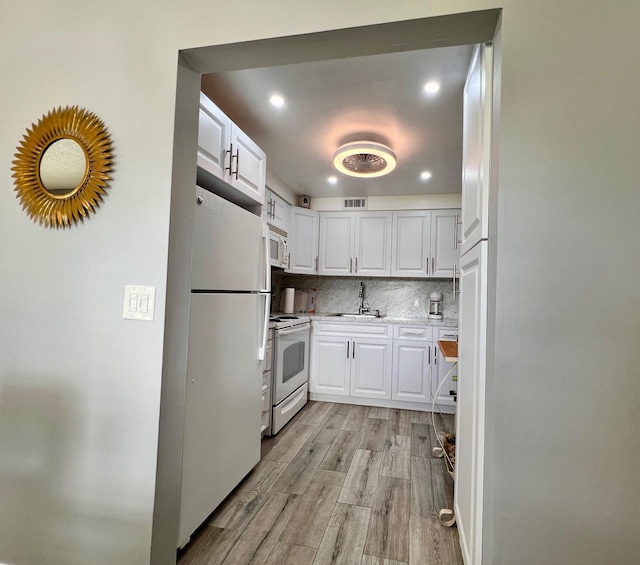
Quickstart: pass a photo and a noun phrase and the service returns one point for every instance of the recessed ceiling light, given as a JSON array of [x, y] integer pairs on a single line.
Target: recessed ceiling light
[[276, 101], [432, 87], [425, 175], [332, 180], [364, 159]]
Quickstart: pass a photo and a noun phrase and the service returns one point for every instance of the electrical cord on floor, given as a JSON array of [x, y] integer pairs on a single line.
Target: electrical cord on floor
[[434, 403]]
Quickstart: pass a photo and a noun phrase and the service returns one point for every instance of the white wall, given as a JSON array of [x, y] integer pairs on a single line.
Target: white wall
[[400, 202], [80, 387]]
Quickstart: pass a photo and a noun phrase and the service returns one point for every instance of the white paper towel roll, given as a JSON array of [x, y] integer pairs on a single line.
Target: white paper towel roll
[[289, 295]]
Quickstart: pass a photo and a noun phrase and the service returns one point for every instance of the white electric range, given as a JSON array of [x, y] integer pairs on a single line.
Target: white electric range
[[290, 367]]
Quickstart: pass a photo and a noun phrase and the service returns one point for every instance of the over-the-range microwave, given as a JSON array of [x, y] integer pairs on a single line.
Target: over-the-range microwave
[[278, 248]]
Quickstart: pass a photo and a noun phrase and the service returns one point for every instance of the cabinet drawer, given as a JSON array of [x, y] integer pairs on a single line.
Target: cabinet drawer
[[285, 410], [414, 333], [352, 330], [447, 334]]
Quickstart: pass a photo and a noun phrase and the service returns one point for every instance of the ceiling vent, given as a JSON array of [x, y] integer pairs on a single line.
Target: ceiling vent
[[354, 204]]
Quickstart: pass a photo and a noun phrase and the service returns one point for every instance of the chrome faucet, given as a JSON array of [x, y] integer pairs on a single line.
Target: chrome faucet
[[364, 307]]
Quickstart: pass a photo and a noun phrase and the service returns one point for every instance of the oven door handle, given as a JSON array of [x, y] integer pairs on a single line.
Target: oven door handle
[[296, 329]]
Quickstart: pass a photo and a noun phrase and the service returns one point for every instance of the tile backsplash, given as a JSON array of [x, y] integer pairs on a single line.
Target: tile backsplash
[[406, 298]]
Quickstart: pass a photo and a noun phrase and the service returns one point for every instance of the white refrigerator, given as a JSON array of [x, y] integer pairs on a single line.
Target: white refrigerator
[[228, 320]]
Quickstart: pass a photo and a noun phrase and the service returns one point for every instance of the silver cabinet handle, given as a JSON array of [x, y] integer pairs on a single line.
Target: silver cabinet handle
[[350, 264], [230, 151], [429, 349], [316, 263], [456, 241], [237, 158], [433, 265], [356, 265], [427, 266], [455, 291], [435, 355], [348, 344], [353, 351]]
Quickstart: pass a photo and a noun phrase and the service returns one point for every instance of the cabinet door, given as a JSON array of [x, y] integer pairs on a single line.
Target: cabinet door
[[476, 141], [441, 374], [468, 498], [280, 212], [214, 135], [411, 364], [330, 363], [411, 234], [336, 243], [303, 241], [373, 244], [444, 252], [371, 368], [248, 167]]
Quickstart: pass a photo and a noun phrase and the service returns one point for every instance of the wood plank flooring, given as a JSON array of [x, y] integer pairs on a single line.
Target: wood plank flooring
[[340, 484]]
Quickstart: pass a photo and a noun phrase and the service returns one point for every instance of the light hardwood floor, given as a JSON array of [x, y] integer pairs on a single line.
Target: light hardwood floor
[[340, 484]]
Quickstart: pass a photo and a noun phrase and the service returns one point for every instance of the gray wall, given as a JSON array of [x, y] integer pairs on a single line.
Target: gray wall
[[80, 387], [565, 466]]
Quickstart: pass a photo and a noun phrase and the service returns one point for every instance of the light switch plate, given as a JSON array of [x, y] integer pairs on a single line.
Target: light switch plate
[[139, 302]]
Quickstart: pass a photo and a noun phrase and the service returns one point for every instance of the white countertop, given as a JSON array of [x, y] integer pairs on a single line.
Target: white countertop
[[328, 316]]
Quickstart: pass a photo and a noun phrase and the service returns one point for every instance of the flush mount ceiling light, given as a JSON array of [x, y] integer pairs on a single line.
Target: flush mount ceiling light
[[364, 159], [276, 101], [432, 87]]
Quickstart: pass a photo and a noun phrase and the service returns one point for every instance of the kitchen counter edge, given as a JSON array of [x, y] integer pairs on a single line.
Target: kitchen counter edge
[[328, 317]]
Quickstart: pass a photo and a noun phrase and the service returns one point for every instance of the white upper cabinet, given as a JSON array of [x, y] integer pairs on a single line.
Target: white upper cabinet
[[303, 241], [277, 211], [475, 149], [226, 152], [214, 137], [336, 243], [444, 252], [411, 243], [372, 253], [423, 243], [355, 243], [248, 165]]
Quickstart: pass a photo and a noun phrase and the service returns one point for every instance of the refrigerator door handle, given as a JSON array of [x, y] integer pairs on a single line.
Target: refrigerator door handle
[[267, 293], [267, 262], [265, 327]]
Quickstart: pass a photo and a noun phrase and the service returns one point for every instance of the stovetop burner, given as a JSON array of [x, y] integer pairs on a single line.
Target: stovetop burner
[[286, 320]]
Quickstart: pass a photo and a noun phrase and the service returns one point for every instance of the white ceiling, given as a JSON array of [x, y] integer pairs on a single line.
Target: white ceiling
[[329, 103]]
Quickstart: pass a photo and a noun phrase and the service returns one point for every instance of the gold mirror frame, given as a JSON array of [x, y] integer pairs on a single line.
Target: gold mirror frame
[[62, 210]]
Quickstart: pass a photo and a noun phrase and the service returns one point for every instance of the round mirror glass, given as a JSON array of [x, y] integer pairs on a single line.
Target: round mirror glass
[[63, 167]]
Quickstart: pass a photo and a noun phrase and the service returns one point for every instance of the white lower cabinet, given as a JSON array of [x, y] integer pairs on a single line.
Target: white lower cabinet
[[413, 356], [371, 368], [353, 360], [330, 365], [411, 371], [392, 365], [345, 366]]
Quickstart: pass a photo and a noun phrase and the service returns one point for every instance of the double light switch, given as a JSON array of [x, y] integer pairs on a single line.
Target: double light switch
[[139, 302]]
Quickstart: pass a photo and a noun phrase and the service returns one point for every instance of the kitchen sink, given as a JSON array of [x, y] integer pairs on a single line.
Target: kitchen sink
[[357, 316]]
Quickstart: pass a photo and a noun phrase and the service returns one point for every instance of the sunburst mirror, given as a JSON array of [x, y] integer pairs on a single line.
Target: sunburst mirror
[[61, 169]]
